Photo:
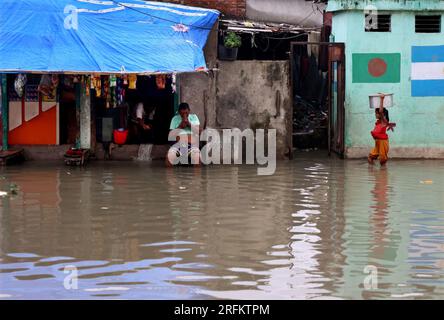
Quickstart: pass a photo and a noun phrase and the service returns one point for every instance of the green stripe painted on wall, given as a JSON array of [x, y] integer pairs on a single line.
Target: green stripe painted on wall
[[376, 67]]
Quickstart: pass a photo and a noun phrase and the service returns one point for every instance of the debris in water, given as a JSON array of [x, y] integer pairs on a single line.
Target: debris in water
[[3, 194], [427, 182], [182, 188], [104, 208]]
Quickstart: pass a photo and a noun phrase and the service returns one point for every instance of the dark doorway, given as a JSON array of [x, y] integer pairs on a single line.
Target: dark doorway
[[69, 125], [318, 84], [158, 102], [158, 105]]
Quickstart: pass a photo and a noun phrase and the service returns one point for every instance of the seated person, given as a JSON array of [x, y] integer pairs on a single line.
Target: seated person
[[185, 128], [143, 121]]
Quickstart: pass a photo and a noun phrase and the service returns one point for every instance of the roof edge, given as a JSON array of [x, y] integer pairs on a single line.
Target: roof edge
[[385, 5]]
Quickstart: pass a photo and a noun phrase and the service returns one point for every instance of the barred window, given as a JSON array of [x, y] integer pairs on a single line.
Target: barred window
[[378, 22], [428, 24]]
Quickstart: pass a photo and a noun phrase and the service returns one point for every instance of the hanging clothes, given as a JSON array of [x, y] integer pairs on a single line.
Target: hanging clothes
[[113, 89], [106, 94], [132, 78], [173, 83], [97, 85], [161, 81], [87, 85], [120, 90]]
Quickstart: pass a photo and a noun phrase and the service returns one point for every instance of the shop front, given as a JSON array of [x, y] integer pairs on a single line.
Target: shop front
[[100, 85]]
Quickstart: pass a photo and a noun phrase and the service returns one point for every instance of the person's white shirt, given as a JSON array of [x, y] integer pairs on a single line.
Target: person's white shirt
[[140, 111]]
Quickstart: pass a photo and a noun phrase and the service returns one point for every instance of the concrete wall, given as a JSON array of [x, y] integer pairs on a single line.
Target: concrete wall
[[288, 11], [256, 94], [244, 94], [420, 131]]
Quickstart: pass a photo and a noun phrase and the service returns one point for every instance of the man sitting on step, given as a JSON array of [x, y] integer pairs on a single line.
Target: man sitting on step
[[184, 133]]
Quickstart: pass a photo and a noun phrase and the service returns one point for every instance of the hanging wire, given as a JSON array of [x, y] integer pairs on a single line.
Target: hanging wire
[[288, 38], [159, 18]]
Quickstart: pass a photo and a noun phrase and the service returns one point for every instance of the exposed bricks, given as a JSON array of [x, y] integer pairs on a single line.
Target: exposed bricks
[[230, 8]]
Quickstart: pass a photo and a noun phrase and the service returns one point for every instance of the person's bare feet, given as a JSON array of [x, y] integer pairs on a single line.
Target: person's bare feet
[[370, 160]]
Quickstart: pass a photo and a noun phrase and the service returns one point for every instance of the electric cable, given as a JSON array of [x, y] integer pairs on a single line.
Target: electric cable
[[159, 18]]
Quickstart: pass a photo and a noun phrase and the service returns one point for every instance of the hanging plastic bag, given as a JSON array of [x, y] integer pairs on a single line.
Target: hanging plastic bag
[[173, 83], [19, 84]]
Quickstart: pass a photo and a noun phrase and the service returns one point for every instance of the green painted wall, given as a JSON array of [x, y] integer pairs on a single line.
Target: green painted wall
[[420, 120], [401, 5]]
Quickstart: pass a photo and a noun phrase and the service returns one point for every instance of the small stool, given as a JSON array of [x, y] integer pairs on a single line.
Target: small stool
[[76, 157]]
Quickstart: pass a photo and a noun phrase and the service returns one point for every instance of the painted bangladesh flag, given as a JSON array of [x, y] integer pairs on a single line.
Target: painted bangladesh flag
[[376, 67]]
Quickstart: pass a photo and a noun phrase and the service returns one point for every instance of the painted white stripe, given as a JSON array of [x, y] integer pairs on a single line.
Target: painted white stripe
[[101, 10], [31, 110], [15, 114], [428, 71], [105, 3]]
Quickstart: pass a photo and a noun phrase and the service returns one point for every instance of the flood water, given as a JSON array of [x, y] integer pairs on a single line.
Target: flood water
[[139, 231]]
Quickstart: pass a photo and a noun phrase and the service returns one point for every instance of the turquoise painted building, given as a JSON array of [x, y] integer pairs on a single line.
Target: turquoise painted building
[[393, 46]]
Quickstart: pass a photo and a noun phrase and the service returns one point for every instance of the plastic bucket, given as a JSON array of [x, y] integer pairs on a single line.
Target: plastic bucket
[[375, 101], [120, 136]]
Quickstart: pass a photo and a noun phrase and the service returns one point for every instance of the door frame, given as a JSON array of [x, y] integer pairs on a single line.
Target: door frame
[[336, 53]]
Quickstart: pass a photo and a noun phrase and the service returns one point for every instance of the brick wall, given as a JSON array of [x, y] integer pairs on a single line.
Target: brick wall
[[230, 8]]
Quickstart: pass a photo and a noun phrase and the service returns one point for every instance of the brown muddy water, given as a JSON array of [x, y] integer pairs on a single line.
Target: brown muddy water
[[140, 231]]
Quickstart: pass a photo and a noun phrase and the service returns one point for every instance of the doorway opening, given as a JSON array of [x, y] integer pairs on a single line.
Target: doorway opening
[[318, 86], [156, 103]]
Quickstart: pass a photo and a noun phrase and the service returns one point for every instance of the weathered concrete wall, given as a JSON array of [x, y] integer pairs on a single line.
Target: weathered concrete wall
[[256, 95], [288, 11], [199, 91], [244, 94], [420, 131]]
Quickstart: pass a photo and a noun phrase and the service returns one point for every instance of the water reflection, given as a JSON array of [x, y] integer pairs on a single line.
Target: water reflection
[[138, 231]]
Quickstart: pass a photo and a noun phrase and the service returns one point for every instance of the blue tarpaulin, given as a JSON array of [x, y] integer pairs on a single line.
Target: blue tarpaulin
[[91, 36]]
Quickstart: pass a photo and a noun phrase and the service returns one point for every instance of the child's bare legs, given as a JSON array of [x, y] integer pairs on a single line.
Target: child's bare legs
[[383, 160]]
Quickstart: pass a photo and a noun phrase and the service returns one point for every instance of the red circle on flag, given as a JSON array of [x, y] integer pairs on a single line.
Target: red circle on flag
[[377, 67]]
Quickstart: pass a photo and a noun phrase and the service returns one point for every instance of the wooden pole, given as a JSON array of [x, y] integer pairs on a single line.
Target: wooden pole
[[5, 111]]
